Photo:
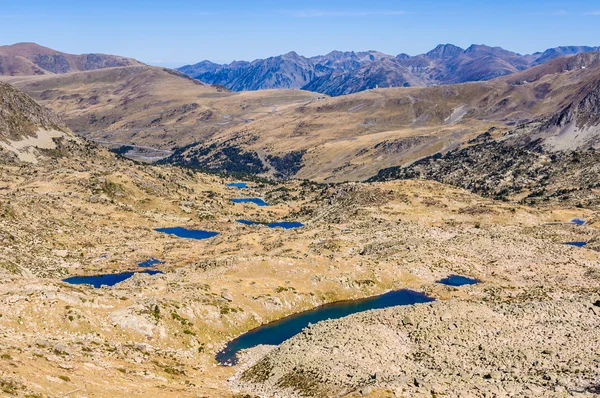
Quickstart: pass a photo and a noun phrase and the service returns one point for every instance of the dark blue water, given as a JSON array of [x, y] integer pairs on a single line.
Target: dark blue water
[[238, 185], [187, 233], [578, 244], [256, 201], [286, 224], [150, 263], [247, 222], [578, 221], [107, 279], [277, 332], [281, 224], [457, 280]]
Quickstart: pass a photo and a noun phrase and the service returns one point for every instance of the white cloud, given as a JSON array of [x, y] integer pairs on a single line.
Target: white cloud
[[328, 13], [593, 13]]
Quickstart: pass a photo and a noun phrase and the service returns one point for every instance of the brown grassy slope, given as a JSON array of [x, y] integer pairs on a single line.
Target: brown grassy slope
[[149, 105], [345, 138], [352, 137]]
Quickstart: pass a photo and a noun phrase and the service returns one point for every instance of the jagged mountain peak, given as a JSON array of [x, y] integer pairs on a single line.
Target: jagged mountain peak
[[345, 72], [444, 51]]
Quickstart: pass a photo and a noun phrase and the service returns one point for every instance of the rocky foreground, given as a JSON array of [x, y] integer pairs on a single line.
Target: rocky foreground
[[157, 335], [545, 347]]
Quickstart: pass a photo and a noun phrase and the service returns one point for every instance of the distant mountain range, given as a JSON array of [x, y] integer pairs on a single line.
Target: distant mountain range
[[339, 73], [24, 59]]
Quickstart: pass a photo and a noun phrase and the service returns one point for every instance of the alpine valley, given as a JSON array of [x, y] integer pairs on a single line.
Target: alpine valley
[[354, 224]]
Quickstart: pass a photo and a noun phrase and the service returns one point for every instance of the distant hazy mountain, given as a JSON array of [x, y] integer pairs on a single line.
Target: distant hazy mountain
[[339, 73], [23, 59]]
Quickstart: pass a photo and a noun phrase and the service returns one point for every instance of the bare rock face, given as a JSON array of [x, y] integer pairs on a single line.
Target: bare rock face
[[129, 318]]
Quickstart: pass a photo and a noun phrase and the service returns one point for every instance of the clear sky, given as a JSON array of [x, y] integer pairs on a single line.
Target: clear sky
[[178, 32]]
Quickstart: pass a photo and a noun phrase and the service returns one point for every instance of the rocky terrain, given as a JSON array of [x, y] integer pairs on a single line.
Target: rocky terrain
[[23, 59], [339, 73], [551, 159], [158, 334], [525, 347], [530, 327]]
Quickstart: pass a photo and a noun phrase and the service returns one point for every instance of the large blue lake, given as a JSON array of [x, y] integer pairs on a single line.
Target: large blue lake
[[187, 233], [106, 279], [277, 332], [256, 201]]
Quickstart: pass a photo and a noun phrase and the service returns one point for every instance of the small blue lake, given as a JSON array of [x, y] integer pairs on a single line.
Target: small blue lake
[[281, 224], [256, 201], [277, 332], [457, 280], [238, 185], [187, 233], [150, 263], [577, 244], [578, 221], [106, 279]]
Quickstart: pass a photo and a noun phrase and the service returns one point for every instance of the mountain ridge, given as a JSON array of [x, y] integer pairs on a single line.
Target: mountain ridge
[[23, 59], [346, 72]]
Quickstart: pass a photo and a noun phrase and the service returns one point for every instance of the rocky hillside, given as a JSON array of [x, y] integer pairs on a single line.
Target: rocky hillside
[[339, 73], [29, 131], [24, 59], [553, 158], [448, 348], [157, 335]]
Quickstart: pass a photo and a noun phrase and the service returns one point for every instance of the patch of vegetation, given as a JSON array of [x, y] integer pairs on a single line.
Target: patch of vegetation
[[593, 273], [156, 313], [305, 382], [122, 150], [224, 157], [11, 387], [12, 268], [366, 282], [6, 211], [226, 310], [259, 373], [179, 318], [288, 164], [281, 289]]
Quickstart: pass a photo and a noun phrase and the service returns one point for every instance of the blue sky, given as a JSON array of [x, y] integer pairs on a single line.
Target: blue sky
[[178, 32]]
